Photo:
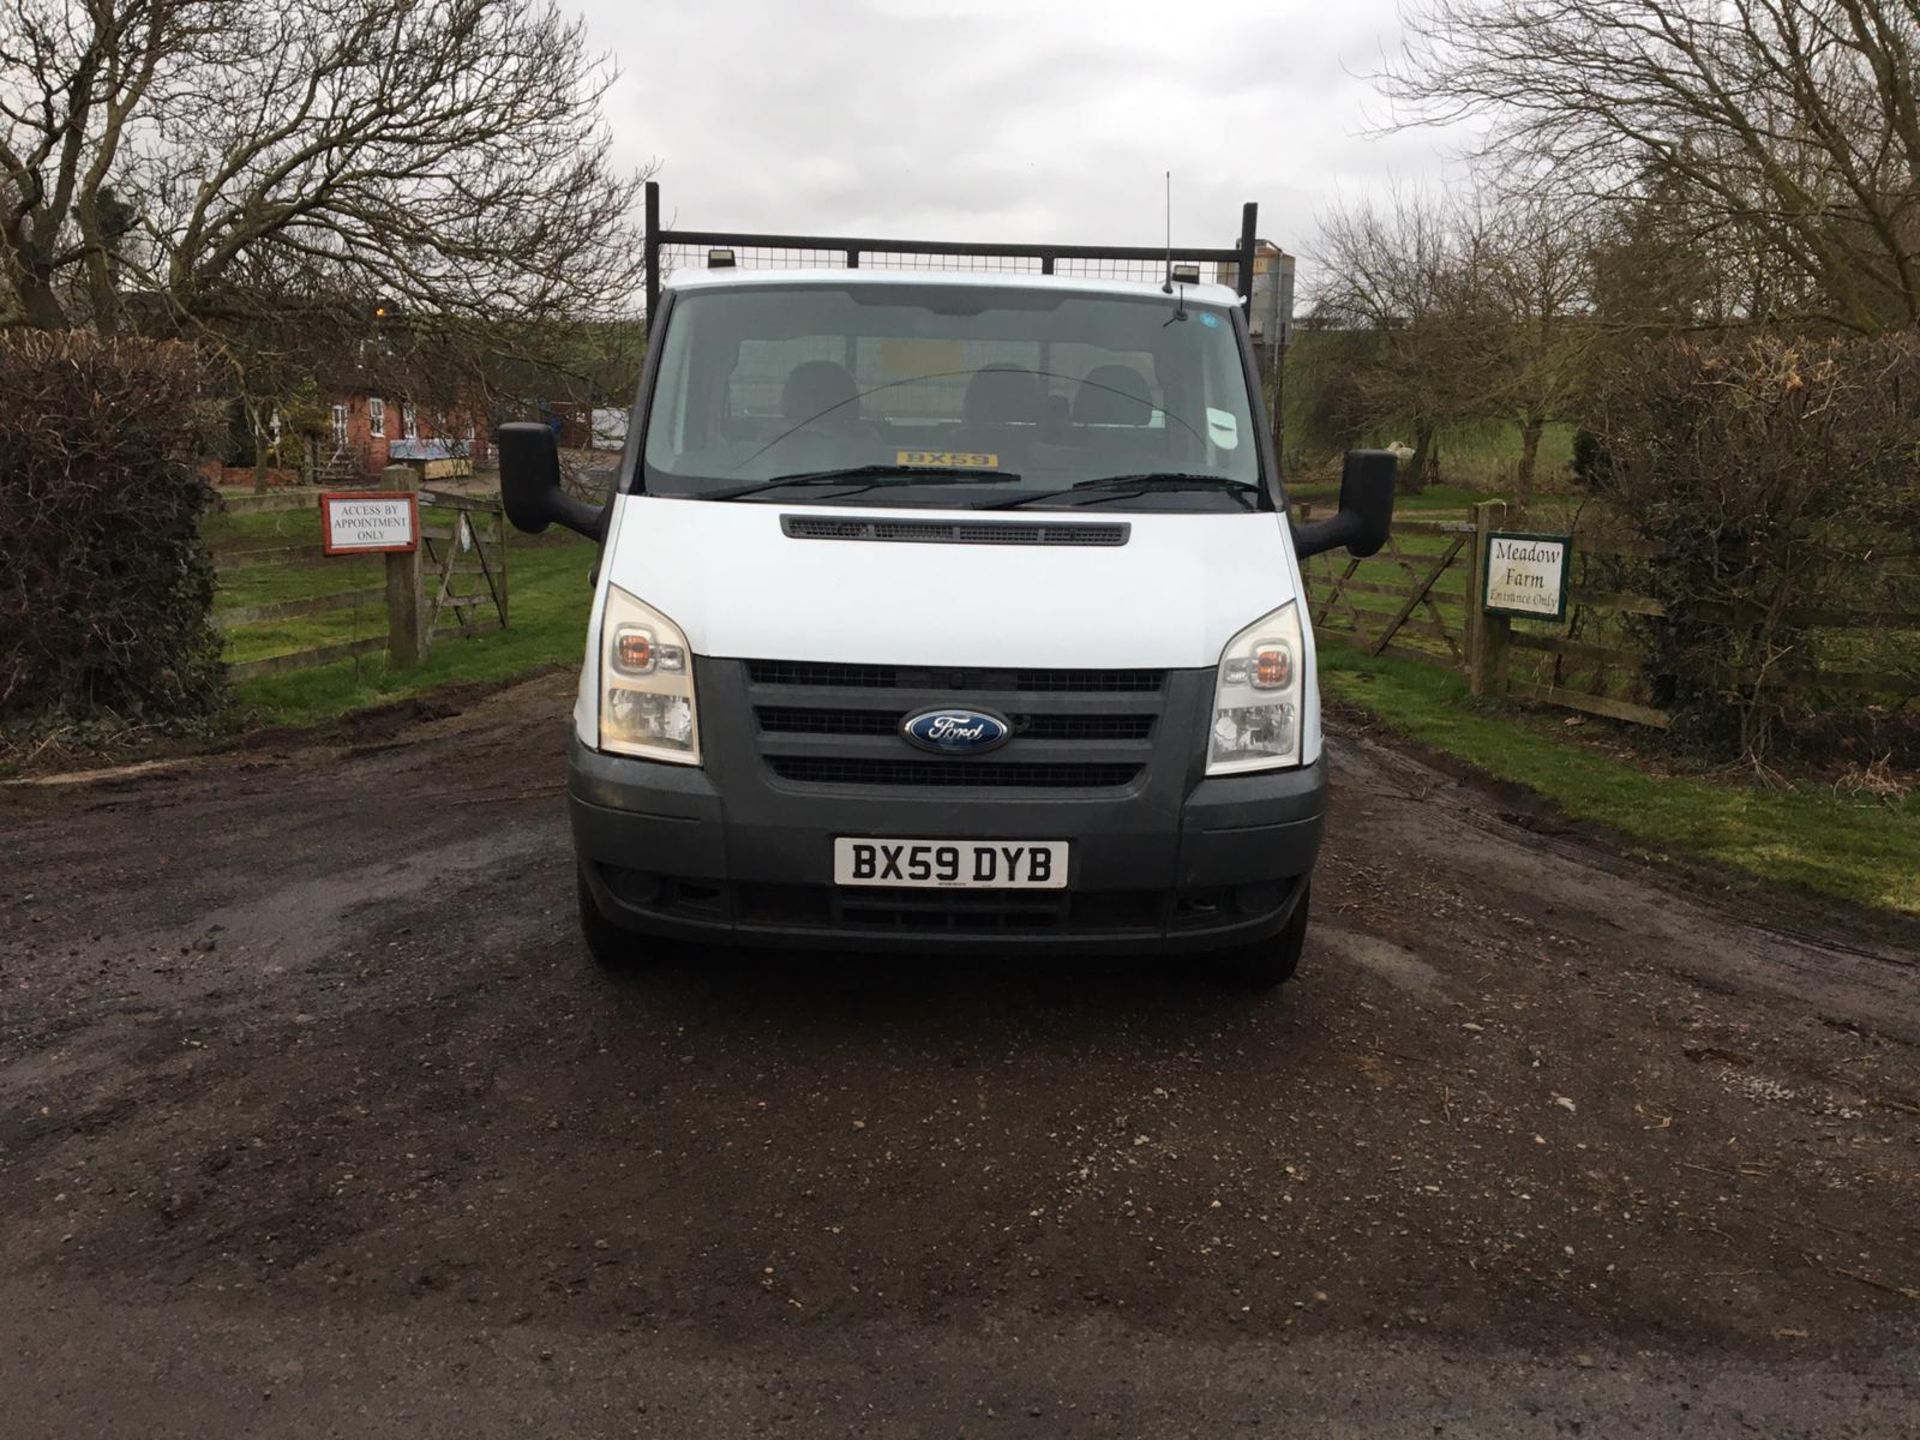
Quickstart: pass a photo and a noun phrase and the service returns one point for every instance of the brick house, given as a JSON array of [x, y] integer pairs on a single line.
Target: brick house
[[367, 432]]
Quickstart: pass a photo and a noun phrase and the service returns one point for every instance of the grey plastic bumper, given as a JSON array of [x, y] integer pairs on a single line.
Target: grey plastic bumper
[[667, 853]]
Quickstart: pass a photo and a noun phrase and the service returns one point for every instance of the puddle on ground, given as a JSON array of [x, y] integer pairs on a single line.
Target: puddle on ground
[[1400, 968]]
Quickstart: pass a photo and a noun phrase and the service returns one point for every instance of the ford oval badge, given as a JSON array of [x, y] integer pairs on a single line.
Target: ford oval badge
[[956, 731]]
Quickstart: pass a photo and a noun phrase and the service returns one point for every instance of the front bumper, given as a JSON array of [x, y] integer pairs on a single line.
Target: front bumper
[[667, 852]]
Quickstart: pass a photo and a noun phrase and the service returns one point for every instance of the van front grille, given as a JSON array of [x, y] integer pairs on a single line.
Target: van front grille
[[789, 720], [832, 723]]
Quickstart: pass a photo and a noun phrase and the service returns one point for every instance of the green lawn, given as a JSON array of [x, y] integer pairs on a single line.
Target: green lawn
[[232, 529], [1324, 496], [548, 597], [1488, 448], [268, 584], [1475, 461], [1857, 849]]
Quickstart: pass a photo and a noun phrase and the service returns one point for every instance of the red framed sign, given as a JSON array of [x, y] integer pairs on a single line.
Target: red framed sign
[[369, 522]]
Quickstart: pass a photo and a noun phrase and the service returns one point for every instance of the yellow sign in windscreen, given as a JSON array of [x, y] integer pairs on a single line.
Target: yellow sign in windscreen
[[909, 358], [947, 459]]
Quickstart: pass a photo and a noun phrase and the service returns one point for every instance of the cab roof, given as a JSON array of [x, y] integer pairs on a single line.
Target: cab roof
[[734, 278]]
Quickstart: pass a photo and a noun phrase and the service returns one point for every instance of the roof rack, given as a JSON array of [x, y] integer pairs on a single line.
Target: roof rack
[[1142, 262]]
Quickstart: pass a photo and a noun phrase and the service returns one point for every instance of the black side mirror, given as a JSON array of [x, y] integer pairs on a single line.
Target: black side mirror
[[530, 483], [1366, 509]]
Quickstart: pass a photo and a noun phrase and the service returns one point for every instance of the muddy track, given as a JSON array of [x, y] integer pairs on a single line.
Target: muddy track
[[313, 1120]]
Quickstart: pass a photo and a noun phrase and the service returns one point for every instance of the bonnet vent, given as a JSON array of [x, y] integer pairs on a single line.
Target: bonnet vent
[[952, 532]]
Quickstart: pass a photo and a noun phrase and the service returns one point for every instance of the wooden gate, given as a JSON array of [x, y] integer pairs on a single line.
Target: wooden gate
[[1410, 599], [465, 566]]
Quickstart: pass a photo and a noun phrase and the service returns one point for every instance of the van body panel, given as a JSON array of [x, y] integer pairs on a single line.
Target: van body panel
[[1172, 595]]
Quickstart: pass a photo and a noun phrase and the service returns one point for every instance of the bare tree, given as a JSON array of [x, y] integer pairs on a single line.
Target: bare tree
[[1789, 129], [1414, 276], [1539, 255], [248, 171]]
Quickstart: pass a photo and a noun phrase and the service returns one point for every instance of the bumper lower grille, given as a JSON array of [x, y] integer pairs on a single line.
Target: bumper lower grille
[[935, 912], [910, 912], [853, 770]]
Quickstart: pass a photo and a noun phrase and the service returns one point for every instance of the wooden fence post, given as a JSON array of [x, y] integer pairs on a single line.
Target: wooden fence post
[[406, 605], [500, 529], [1487, 635]]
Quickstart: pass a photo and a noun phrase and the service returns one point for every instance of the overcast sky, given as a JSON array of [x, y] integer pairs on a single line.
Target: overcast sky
[[1006, 119]]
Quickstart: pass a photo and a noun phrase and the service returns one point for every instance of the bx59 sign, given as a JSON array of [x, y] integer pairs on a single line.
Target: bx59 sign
[[1526, 575], [369, 522]]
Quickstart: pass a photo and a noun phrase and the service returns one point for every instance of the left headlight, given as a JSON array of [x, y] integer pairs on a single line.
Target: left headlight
[[1256, 697], [646, 684]]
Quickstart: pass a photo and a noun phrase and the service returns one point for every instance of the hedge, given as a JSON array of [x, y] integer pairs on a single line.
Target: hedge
[[1780, 476], [106, 591]]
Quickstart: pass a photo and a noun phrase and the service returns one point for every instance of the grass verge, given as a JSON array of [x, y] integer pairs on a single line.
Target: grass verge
[[1853, 848]]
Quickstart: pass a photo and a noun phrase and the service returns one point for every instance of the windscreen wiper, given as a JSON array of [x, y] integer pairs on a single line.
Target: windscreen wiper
[[1120, 487], [873, 474]]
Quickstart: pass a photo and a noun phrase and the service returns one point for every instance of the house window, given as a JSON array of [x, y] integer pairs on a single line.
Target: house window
[[377, 418], [339, 426], [409, 422]]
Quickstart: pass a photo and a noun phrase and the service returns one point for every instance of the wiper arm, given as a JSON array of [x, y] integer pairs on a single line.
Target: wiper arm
[[1133, 485], [1166, 480], [874, 474]]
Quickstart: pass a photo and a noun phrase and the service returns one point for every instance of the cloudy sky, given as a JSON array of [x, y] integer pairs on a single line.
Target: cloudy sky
[[1007, 119]]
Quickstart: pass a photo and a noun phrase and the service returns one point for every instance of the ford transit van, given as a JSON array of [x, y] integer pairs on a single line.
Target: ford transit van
[[943, 609]]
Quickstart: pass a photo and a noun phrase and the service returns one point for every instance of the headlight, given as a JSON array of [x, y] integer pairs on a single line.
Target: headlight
[[1256, 699], [646, 684]]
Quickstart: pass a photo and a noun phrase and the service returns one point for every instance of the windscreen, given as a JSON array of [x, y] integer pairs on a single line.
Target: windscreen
[[954, 395]]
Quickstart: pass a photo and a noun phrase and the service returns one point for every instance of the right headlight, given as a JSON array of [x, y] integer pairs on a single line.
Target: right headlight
[[1256, 697], [646, 684]]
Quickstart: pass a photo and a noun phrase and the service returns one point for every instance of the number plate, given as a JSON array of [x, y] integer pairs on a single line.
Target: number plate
[[952, 864]]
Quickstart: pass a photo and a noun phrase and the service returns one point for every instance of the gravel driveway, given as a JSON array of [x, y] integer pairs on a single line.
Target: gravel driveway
[[314, 1120]]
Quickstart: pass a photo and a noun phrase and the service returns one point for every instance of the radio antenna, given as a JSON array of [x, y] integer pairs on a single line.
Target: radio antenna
[[1167, 289], [1180, 305]]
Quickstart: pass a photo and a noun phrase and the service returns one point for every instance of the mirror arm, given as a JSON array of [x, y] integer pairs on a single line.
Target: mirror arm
[[579, 516], [1316, 537]]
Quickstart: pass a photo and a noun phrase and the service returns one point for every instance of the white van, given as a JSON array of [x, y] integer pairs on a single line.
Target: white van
[[941, 609]]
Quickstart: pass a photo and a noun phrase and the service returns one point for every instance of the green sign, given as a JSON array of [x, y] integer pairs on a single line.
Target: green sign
[[1526, 575]]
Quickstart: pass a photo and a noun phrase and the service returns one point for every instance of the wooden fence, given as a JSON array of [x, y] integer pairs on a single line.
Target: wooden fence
[[1416, 599], [463, 591]]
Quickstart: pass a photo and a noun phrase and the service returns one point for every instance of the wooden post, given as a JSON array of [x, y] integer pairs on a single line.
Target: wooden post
[[1487, 635], [500, 529], [406, 605]]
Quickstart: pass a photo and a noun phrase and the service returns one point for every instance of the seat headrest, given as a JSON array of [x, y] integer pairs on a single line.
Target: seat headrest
[[1113, 395], [819, 389], [1003, 394]]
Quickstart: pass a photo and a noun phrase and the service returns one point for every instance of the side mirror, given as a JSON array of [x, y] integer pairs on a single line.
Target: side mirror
[[1366, 509], [530, 483]]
